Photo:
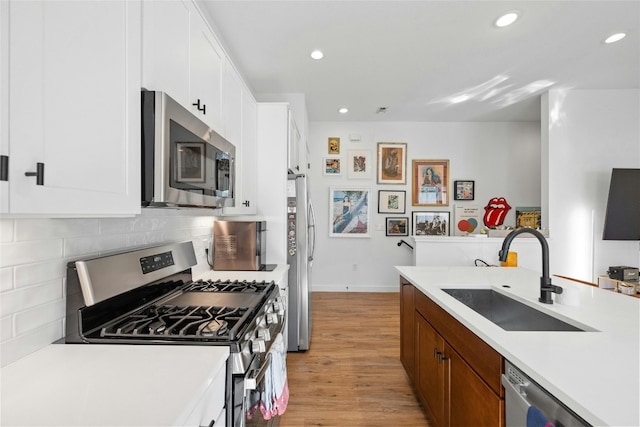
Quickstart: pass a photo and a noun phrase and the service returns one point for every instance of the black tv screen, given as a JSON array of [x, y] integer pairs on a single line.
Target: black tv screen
[[622, 218]]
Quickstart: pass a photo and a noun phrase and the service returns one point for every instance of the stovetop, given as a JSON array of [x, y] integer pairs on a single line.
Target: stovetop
[[203, 310]]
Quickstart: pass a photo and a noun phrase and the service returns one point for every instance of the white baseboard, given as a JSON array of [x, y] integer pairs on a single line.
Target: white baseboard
[[353, 288]]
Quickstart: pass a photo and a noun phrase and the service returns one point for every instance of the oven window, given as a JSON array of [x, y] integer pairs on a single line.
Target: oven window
[[197, 166]]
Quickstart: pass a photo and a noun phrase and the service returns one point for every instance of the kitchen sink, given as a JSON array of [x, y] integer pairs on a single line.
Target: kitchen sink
[[508, 313]]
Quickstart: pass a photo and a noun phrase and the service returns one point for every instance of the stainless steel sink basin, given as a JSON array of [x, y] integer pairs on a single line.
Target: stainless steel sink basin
[[508, 313]]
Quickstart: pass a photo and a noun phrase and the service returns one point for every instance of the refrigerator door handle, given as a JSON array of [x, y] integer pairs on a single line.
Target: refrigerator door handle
[[312, 228]]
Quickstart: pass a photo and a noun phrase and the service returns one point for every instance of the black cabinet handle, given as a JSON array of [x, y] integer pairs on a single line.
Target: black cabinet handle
[[4, 168], [39, 174], [202, 108], [246, 203]]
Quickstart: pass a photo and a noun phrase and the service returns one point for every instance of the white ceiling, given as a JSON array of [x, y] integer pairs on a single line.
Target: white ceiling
[[416, 57]]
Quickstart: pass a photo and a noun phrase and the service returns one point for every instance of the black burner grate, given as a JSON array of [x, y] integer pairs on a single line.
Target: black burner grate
[[175, 322]]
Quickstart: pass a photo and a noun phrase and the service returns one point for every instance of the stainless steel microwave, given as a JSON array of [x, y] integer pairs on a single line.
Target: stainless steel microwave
[[184, 161]]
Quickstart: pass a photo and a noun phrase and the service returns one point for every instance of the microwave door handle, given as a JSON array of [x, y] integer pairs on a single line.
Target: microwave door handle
[[312, 227]]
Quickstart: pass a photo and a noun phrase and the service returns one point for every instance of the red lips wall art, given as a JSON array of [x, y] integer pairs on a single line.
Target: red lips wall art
[[495, 211]]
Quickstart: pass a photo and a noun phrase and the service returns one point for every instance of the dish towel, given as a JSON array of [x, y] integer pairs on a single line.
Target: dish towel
[[275, 395], [535, 418]]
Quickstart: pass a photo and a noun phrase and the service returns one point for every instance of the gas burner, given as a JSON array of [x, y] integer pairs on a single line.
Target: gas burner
[[175, 322], [227, 286]]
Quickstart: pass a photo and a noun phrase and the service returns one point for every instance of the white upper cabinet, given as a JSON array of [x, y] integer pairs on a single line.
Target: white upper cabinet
[[246, 156], [71, 74], [293, 146], [165, 50], [183, 59], [232, 89]]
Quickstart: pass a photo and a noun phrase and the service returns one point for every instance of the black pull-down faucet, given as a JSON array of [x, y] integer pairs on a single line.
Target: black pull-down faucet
[[546, 288]]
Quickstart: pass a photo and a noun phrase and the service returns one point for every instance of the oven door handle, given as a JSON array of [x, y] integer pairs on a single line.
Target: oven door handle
[[252, 381]]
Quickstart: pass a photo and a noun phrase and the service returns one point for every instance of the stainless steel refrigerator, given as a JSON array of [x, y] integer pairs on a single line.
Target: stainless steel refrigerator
[[301, 234]]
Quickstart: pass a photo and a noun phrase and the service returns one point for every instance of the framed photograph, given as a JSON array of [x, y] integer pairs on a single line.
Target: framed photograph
[[391, 201], [333, 145], [430, 223], [392, 163], [430, 183], [190, 161], [463, 190], [397, 226], [332, 166], [359, 164], [349, 212]]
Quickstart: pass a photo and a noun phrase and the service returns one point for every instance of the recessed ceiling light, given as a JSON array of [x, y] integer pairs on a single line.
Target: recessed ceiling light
[[343, 110], [317, 54], [507, 19], [615, 38]]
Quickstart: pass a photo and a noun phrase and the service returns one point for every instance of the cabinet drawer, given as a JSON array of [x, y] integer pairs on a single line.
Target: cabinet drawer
[[483, 359]]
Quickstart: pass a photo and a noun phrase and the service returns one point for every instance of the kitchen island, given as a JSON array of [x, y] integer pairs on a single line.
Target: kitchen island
[[596, 373]]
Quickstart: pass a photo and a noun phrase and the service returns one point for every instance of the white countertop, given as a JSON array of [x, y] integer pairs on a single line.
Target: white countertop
[[596, 374], [108, 385]]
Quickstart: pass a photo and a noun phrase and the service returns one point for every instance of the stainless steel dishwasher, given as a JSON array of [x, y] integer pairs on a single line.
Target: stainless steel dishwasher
[[521, 392]]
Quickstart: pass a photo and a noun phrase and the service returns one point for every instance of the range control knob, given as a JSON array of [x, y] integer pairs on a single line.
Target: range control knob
[[272, 318], [278, 307], [264, 334], [258, 346]]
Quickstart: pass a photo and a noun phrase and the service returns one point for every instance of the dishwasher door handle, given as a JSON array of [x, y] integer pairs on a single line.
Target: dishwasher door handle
[[515, 391]]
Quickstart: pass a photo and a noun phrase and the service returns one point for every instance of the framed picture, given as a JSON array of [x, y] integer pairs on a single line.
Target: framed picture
[[332, 166], [190, 161], [349, 212], [392, 163], [397, 226], [463, 190], [430, 183], [359, 164], [333, 145], [430, 223], [391, 201]]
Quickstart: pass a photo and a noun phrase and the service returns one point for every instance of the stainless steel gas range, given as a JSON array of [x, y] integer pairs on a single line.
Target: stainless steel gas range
[[148, 296]]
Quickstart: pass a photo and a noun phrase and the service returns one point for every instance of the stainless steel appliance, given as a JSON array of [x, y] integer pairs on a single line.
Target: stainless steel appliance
[[521, 393], [301, 238], [239, 245], [184, 162], [147, 296]]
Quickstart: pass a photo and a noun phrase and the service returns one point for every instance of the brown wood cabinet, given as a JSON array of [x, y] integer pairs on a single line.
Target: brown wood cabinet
[[407, 327], [455, 374]]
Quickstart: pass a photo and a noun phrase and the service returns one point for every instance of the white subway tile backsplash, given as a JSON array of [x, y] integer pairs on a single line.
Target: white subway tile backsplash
[[17, 253], [34, 254], [6, 328], [6, 279], [31, 274], [28, 320], [81, 245], [6, 230], [23, 345], [43, 229], [26, 298]]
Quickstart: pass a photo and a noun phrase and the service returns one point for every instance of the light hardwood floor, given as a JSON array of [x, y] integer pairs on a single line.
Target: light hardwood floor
[[352, 375]]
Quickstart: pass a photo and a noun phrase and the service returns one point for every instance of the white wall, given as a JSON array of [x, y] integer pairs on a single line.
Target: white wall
[[502, 158], [586, 135], [34, 254]]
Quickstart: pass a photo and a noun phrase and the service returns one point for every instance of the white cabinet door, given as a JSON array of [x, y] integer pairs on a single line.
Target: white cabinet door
[[165, 48], [293, 146], [4, 104], [205, 70], [74, 97], [246, 157], [232, 100]]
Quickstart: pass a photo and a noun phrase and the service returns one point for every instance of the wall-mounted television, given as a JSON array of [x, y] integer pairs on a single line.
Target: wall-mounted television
[[622, 218]]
